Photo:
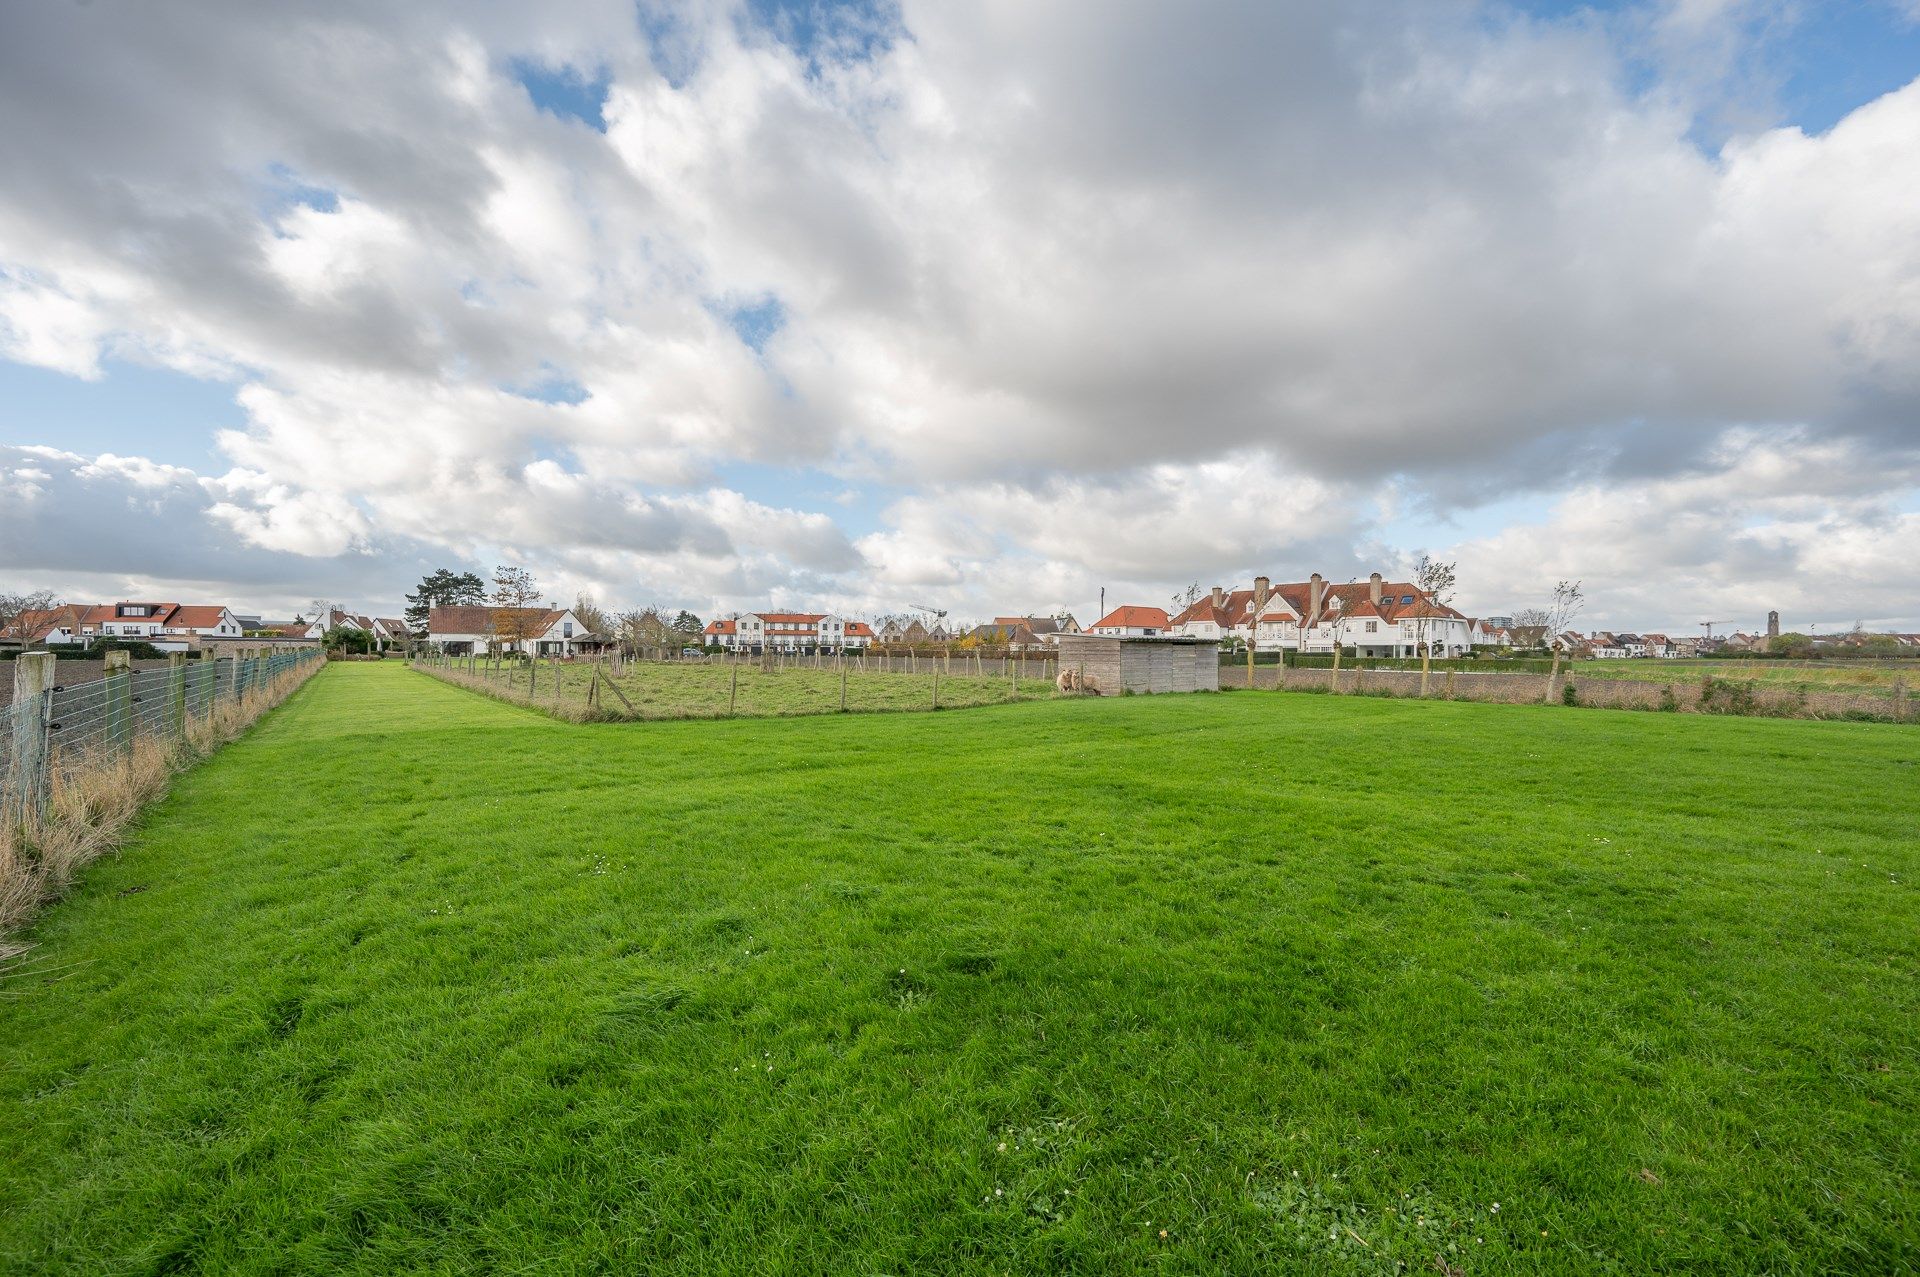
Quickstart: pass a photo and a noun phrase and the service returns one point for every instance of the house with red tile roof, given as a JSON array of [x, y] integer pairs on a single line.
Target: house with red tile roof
[[1375, 618], [538, 631], [788, 632], [169, 626], [1132, 621]]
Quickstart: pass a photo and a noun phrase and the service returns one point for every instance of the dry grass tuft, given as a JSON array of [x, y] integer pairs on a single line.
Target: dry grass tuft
[[96, 797]]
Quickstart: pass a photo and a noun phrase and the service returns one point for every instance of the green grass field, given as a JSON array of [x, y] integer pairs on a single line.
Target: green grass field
[[673, 689], [412, 980], [1871, 677]]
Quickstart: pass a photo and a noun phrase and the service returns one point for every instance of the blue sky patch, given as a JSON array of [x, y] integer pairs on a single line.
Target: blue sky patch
[[756, 324], [551, 386], [565, 92], [132, 410]]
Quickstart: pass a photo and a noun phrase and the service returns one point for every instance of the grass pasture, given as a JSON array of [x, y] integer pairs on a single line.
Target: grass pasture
[[694, 689], [412, 980], [1868, 677]]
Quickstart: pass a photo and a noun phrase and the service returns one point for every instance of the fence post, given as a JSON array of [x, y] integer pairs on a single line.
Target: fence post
[[733, 689], [119, 689], [936, 684], [32, 698], [843, 682], [177, 693], [1900, 699]]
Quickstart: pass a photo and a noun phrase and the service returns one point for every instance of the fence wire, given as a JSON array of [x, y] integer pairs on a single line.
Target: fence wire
[[52, 735]]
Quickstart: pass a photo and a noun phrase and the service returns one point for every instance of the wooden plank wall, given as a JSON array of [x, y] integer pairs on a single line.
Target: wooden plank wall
[[1117, 665]]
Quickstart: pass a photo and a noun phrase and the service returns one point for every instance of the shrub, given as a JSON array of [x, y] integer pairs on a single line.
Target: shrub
[[1569, 694], [1720, 696]]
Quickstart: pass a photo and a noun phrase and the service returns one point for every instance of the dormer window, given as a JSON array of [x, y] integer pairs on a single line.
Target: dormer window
[[1406, 598]]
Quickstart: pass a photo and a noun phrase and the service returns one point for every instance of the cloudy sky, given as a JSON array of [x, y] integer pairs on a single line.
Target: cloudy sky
[[979, 305]]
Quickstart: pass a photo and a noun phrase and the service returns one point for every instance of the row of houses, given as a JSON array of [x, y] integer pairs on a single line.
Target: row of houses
[[180, 627], [813, 631], [1376, 617]]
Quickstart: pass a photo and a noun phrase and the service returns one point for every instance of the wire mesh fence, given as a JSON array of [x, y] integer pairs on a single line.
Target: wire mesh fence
[[769, 684], [55, 732]]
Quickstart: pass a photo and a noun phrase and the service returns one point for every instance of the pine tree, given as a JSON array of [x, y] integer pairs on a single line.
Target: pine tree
[[443, 588]]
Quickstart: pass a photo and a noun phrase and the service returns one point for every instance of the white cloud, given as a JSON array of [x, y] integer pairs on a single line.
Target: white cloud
[[1115, 293]]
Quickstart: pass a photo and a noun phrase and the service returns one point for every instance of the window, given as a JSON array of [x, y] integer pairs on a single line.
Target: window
[[1373, 627], [1406, 598], [566, 628]]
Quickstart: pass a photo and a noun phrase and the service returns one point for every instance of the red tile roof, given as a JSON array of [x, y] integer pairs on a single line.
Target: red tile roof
[[1129, 616], [721, 627], [480, 619], [194, 616], [35, 624]]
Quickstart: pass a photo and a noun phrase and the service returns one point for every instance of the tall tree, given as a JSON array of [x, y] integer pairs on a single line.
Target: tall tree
[[515, 595], [688, 626], [442, 588]]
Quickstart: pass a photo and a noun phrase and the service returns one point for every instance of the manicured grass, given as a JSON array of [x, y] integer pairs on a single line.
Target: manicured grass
[[413, 980], [674, 689]]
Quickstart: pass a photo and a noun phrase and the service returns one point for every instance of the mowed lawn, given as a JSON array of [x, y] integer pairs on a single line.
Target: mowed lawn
[[412, 980]]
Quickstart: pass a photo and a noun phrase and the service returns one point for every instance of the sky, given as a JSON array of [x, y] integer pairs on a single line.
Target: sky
[[987, 307]]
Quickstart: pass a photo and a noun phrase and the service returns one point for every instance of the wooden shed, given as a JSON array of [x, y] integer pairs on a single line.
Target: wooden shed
[[1113, 664]]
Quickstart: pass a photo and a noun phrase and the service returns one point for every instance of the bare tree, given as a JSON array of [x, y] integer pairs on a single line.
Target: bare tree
[[1566, 604], [513, 599], [588, 611], [643, 628], [1531, 618], [1436, 581], [16, 603]]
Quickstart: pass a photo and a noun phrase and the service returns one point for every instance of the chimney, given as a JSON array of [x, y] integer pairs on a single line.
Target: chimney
[[1373, 588], [1219, 596], [1316, 588], [1261, 593]]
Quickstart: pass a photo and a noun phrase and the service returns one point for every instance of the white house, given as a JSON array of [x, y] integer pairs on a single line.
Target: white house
[[171, 627], [539, 631], [1378, 618], [789, 632]]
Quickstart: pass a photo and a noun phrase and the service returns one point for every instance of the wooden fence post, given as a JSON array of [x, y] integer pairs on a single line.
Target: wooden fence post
[[733, 690], [177, 693], [119, 690], [32, 698], [843, 682], [936, 685], [1900, 699]]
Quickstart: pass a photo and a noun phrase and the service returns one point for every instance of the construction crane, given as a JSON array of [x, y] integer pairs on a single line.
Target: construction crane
[[938, 613], [1708, 626]]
